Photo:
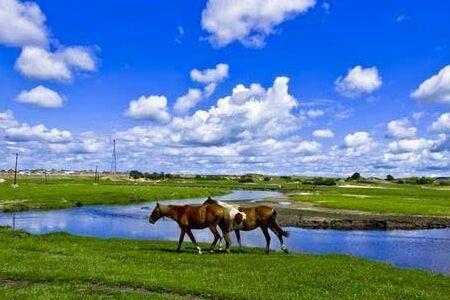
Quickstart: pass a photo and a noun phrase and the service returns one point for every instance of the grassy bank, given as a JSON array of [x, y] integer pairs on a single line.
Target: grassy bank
[[63, 266], [62, 193], [388, 198]]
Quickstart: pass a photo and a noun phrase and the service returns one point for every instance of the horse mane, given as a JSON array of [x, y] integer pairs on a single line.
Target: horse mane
[[210, 201]]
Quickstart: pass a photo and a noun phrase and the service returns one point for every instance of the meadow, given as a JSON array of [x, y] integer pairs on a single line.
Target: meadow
[[34, 192], [61, 266], [382, 198], [63, 192]]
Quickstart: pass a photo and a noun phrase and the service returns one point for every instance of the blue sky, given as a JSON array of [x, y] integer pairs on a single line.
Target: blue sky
[[340, 86]]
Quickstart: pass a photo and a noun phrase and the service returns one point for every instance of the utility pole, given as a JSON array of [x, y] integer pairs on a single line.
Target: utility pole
[[114, 159], [15, 169], [95, 176], [45, 176]]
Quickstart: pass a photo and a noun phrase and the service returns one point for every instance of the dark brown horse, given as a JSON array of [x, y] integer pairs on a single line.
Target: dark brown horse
[[263, 217], [188, 217]]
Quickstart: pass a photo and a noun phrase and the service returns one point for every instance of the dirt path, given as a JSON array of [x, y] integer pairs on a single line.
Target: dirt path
[[101, 288]]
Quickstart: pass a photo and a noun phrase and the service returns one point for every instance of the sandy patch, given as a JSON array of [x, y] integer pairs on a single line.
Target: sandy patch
[[362, 186], [357, 196]]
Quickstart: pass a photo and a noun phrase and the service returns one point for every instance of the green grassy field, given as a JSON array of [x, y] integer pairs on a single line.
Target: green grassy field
[[60, 192], [33, 193], [61, 266], [384, 198]]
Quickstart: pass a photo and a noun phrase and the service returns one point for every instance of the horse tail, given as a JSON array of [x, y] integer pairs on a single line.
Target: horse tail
[[275, 226]]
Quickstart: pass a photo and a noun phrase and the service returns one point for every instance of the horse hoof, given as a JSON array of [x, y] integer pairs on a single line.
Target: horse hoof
[[212, 251], [284, 249]]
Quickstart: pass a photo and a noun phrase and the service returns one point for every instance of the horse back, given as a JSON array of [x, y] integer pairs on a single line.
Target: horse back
[[256, 216]]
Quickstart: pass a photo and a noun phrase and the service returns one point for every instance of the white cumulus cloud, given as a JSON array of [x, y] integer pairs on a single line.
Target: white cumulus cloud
[[358, 143], [442, 124], [308, 147], [25, 133], [358, 81], [410, 145], [323, 133], [248, 21], [211, 77], [188, 101], [215, 75], [150, 108], [435, 89], [41, 96], [41, 64], [401, 129], [22, 24]]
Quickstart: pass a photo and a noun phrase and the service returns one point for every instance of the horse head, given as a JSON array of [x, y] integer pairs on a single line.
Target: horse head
[[156, 214]]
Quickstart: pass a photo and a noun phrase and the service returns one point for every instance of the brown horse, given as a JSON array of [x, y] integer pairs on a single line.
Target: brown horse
[[188, 217], [263, 217]]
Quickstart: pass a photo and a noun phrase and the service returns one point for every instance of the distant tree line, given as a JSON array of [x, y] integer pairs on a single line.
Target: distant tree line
[[152, 176]]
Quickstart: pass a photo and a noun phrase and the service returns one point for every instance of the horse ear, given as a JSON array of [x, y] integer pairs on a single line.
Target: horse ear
[[209, 197], [157, 204]]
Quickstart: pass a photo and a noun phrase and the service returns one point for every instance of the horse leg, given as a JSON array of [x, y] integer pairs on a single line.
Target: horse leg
[[226, 236], [267, 236], [180, 241], [238, 238], [189, 232], [273, 225], [275, 229], [216, 234]]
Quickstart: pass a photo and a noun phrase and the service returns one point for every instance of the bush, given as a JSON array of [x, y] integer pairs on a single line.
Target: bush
[[136, 174], [355, 177], [390, 177], [323, 181]]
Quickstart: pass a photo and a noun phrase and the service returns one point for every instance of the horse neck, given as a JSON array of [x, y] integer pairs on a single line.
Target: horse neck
[[169, 211]]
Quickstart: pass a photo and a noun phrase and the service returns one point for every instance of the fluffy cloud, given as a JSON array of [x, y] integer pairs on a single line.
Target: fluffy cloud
[[358, 143], [210, 77], [401, 129], [249, 113], [323, 133], [41, 96], [25, 133], [150, 108], [39, 63], [442, 124], [218, 74], [308, 147], [248, 21], [314, 113], [22, 24], [7, 119], [358, 81], [85, 143], [410, 145], [188, 101], [435, 89]]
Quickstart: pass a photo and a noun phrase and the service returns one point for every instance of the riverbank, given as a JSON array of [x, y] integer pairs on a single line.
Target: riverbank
[[63, 194], [64, 266], [309, 215]]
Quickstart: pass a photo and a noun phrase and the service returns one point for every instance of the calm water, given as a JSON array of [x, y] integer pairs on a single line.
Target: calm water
[[424, 249]]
